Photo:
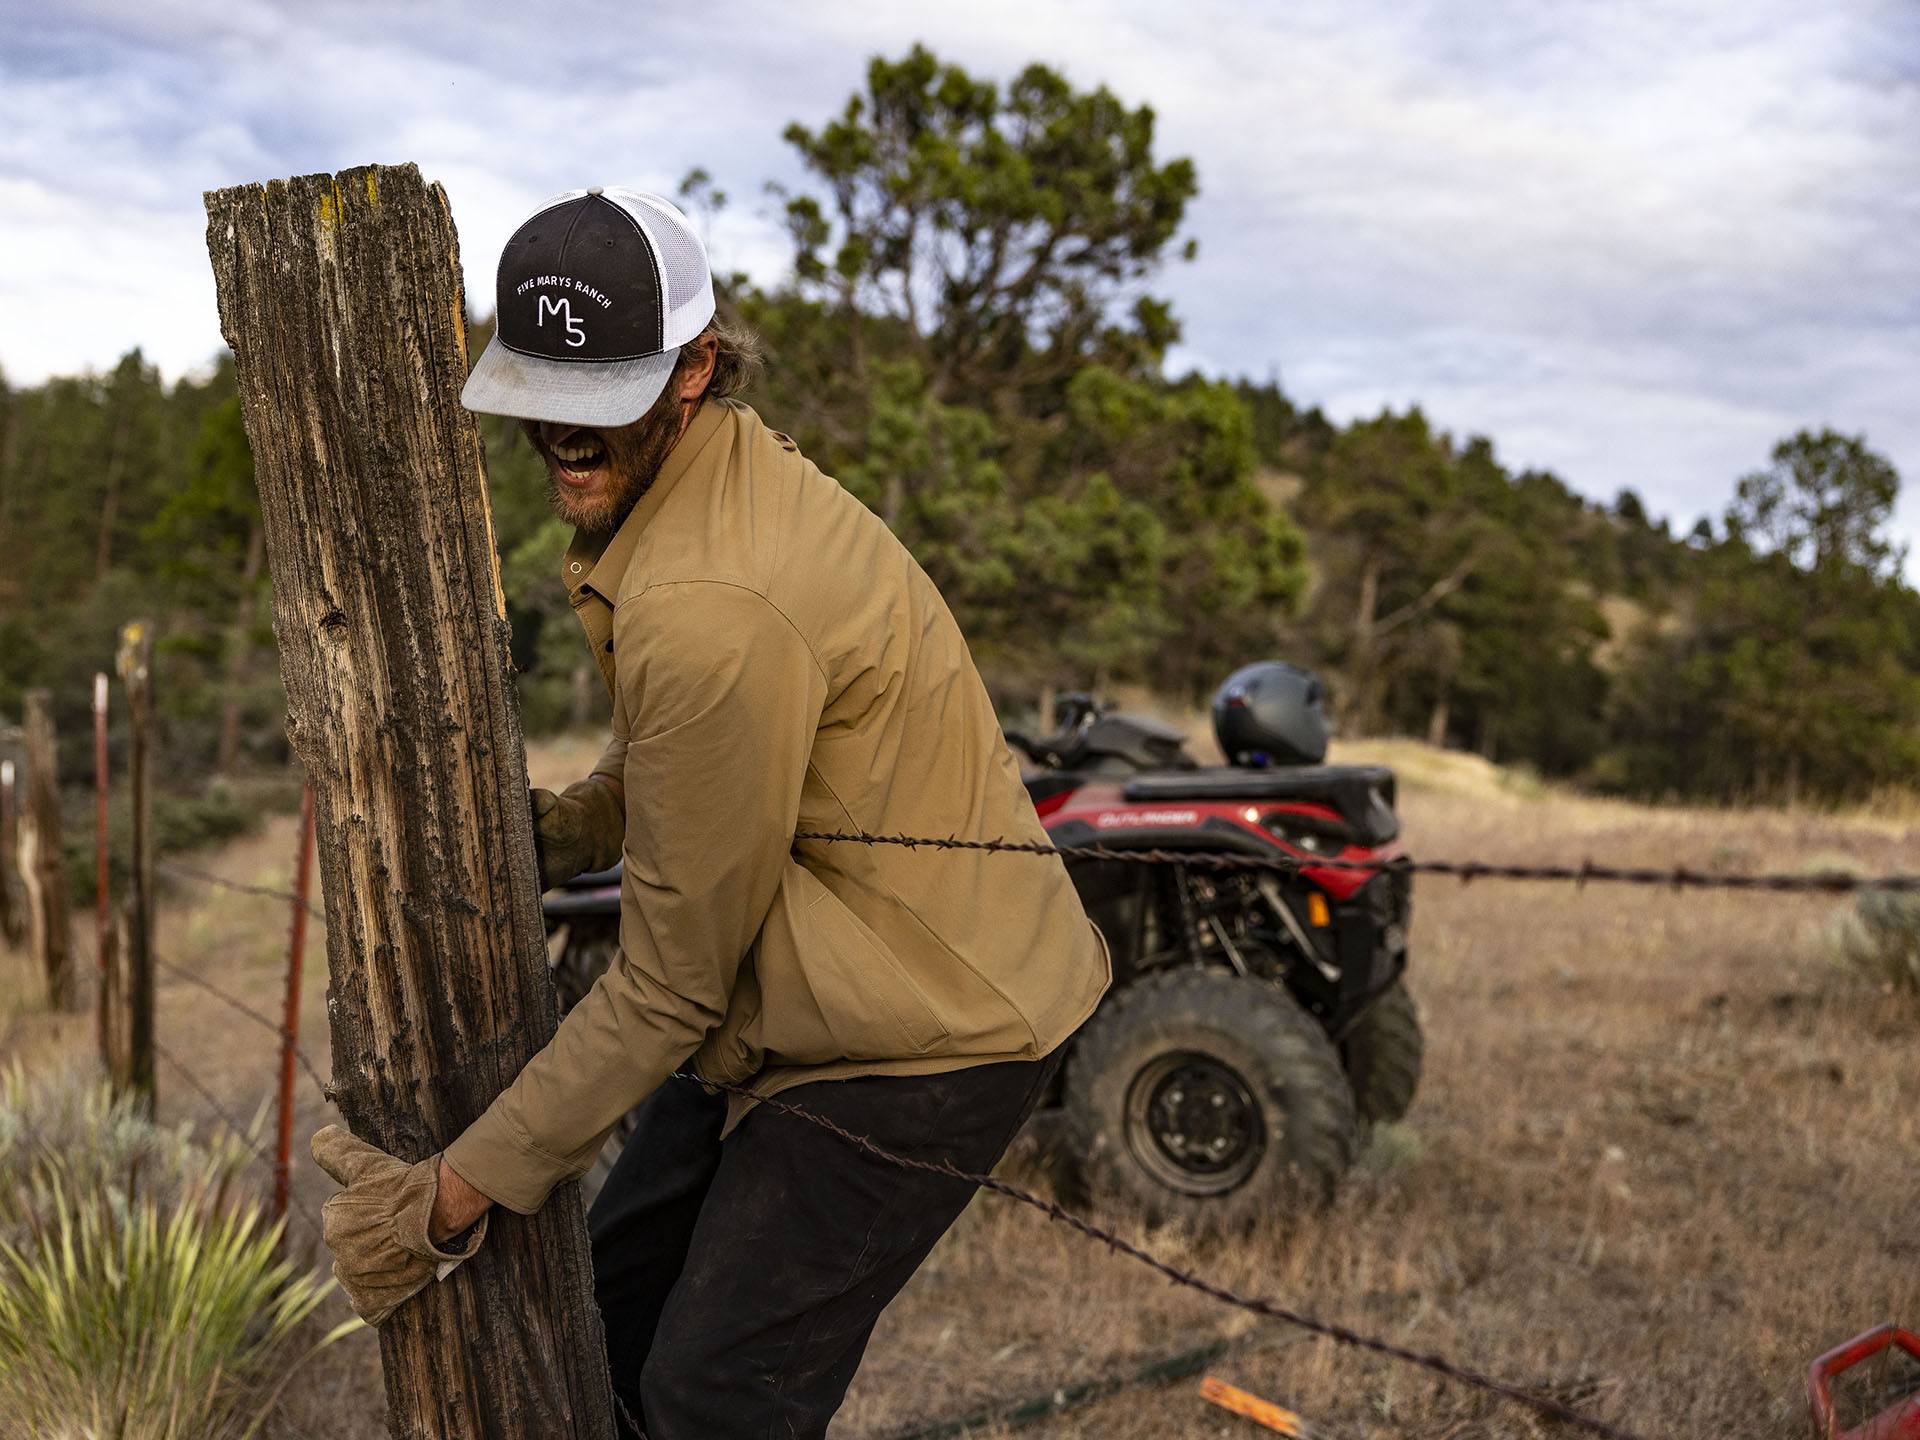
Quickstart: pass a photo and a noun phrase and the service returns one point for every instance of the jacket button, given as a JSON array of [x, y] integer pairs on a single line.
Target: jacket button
[[574, 568]]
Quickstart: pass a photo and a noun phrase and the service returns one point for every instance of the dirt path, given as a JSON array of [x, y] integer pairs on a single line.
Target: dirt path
[[1664, 1154]]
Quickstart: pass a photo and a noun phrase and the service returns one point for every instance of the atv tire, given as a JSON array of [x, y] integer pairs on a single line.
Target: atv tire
[[1210, 1099], [1382, 1054]]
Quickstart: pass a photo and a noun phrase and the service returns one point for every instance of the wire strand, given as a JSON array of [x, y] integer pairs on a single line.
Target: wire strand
[[1438, 1364]]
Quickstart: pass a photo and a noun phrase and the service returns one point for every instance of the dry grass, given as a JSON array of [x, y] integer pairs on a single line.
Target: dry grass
[[1663, 1154]]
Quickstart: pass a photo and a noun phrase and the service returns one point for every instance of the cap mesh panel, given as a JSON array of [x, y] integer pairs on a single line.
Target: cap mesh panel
[[688, 303]]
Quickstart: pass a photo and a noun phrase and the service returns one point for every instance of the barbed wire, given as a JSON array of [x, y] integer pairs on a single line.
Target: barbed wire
[[241, 1133], [267, 1022], [265, 892], [1828, 882], [1438, 1364], [1678, 877]]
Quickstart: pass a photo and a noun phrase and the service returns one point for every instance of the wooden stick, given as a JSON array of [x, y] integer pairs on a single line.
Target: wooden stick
[[1264, 1413]]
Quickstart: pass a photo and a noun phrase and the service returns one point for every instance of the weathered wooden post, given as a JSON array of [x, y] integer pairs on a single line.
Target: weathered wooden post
[[13, 909], [43, 861], [341, 297], [102, 924], [136, 673], [116, 1021]]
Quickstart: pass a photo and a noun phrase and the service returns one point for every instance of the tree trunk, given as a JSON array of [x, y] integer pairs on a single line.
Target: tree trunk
[[1360, 651], [110, 506], [1438, 719], [341, 298], [43, 858], [239, 650]]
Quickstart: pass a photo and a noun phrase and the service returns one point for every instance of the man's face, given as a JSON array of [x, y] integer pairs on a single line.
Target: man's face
[[595, 477]]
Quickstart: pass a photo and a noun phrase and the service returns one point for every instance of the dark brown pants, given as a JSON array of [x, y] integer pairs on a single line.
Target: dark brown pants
[[740, 1281]]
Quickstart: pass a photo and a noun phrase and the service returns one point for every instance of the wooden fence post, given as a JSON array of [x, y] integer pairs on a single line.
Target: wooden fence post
[[341, 297], [116, 1043], [43, 861], [13, 902], [101, 922], [136, 673]]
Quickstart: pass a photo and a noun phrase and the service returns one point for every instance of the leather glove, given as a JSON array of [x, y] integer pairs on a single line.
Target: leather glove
[[580, 829], [377, 1226]]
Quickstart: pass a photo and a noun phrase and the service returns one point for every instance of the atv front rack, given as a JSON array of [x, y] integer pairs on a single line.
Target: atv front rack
[[1901, 1421]]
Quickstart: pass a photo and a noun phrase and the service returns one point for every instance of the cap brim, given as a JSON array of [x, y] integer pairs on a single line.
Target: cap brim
[[602, 393]]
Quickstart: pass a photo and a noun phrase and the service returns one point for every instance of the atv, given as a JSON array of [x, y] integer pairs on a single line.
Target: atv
[[1258, 1020]]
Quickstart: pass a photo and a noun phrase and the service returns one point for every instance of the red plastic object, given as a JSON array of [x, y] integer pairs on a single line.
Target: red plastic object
[[1901, 1422]]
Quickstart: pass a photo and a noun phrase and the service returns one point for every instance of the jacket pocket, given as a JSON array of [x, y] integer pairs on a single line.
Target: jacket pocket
[[829, 989]]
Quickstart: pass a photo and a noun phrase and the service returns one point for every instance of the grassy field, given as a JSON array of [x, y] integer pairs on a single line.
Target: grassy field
[[1664, 1154]]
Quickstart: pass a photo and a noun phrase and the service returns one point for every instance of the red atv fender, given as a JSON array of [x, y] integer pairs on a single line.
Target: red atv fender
[[1900, 1422]]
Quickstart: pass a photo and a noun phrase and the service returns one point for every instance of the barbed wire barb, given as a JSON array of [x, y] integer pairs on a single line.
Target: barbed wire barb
[[266, 1022]]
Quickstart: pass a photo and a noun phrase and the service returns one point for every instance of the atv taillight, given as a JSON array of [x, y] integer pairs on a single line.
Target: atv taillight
[[1306, 832]]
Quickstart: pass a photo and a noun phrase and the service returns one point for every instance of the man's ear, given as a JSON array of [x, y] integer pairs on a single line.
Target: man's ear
[[693, 384]]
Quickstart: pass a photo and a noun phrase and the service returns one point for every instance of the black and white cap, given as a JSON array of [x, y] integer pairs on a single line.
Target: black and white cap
[[596, 293]]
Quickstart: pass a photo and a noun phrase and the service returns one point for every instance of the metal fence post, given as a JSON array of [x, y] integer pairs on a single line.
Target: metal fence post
[[290, 1025]]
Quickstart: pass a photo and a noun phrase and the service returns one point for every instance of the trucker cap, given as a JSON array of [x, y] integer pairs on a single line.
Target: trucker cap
[[595, 295]]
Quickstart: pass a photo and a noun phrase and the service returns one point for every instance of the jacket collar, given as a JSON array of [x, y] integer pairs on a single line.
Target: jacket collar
[[596, 562]]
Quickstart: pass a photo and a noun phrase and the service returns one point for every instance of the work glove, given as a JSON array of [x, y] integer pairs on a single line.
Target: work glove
[[580, 829], [377, 1226]]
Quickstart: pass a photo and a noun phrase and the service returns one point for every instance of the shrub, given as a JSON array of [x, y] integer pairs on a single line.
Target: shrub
[[1880, 937], [140, 1294]]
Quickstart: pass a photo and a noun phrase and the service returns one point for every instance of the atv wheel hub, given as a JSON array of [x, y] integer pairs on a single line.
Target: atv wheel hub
[[1193, 1124]]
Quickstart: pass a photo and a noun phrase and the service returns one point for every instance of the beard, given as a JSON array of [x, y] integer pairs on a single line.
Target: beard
[[633, 455]]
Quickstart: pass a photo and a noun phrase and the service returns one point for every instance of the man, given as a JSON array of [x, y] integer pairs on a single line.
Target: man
[[778, 663]]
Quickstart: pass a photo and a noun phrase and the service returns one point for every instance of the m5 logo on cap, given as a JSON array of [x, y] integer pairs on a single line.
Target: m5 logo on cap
[[562, 310]]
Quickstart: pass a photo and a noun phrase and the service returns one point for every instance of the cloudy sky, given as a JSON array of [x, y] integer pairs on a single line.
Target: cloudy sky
[[1633, 242]]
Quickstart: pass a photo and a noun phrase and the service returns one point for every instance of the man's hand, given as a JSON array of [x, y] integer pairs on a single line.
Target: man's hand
[[578, 830], [378, 1227], [456, 1205]]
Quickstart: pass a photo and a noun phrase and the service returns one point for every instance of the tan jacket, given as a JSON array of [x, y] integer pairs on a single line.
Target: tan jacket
[[779, 662]]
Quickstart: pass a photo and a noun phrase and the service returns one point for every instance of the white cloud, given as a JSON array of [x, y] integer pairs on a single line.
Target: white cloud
[[1635, 242]]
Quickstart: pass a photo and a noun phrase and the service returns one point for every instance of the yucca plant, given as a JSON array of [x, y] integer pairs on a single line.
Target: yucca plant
[[134, 1306]]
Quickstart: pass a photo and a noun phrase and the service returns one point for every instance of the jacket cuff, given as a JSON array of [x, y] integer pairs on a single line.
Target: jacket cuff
[[503, 1165]]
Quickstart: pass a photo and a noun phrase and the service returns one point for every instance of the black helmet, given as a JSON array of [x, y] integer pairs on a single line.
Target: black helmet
[[1272, 713]]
